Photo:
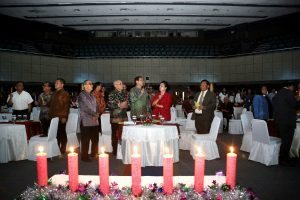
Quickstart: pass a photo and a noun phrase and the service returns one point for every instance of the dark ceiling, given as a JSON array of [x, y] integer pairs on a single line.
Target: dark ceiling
[[92, 15]]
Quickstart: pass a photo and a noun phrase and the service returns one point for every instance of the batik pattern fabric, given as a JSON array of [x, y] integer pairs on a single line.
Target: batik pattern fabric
[[139, 102]]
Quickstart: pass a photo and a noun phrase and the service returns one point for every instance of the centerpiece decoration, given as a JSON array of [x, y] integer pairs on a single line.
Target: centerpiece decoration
[[152, 191], [147, 121]]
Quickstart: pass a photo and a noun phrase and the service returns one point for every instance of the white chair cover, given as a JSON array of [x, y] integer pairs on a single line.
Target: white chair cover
[[185, 139], [71, 128], [35, 114], [220, 115], [235, 126], [105, 138], [173, 114], [247, 138], [49, 143], [129, 116], [265, 149], [237, 111], [207, 142], [190, 124], [179, 110]]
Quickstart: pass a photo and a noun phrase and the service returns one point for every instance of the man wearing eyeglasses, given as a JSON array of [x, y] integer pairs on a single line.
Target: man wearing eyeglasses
[[89, 125], [118, 104]]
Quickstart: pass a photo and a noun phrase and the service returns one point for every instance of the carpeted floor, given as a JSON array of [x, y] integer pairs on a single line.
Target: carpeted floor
[[269, 183]]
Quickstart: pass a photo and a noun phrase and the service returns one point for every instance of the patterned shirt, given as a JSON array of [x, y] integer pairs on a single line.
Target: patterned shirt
[[139, 103], [44, 103], [114, 98]]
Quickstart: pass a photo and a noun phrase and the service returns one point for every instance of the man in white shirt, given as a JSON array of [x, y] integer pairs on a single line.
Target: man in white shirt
[[222, 95], [204, 108], [20, 100]]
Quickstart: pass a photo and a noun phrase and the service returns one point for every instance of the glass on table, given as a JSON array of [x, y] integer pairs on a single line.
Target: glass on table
[[14, 118], [24, 117], [162, 120], [134, 119]]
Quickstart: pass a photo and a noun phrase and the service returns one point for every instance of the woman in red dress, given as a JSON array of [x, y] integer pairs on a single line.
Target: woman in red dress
[[162, 101]]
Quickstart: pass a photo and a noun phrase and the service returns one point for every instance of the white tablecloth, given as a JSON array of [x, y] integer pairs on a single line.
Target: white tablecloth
[[295, 148], [124, 181], [13, 142], [151, 142]]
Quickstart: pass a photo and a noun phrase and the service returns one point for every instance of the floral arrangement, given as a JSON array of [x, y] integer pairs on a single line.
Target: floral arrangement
[[152, 191], [147, 121]]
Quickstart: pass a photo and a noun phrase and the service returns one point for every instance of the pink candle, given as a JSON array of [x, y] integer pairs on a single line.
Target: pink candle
[[136, 172], [73, 170], [199, 171], [231, 168], [42, 170], [104, 172], [168, 172]]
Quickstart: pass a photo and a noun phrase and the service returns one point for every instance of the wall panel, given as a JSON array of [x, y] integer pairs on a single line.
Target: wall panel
[[264, 67]]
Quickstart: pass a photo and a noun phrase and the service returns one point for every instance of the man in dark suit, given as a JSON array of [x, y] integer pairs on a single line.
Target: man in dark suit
[[285, 118], [204, 107]]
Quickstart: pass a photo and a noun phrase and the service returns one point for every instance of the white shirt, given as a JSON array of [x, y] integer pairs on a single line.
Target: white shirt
[[196, 110], [20, 101], [238, 98], [222, 96]]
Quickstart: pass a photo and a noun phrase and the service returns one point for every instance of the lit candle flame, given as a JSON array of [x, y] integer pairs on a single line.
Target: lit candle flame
[[231, 149], [135, 149], [72, 149], [41, 149], [199, 150], [167, 150], [102, 150]]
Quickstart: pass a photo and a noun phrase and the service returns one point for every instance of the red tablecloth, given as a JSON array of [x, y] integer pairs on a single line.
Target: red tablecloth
[[32, 127]]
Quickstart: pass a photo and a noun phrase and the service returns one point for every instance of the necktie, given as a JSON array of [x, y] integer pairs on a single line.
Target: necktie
[[201, 97]]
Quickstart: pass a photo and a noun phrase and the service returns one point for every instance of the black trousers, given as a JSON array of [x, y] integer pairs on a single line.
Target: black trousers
[[202, 123], [19, 113], [286, 131], [45, 125], [62, 137], [87, 134], [116, 134]]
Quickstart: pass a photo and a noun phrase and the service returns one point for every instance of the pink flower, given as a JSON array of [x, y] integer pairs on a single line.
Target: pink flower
[[150, 187]]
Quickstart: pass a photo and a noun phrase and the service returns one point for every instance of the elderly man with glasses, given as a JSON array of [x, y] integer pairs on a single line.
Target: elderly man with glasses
[[89, 125]]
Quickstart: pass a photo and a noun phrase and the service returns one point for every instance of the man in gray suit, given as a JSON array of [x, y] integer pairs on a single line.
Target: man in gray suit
[[204, 107]]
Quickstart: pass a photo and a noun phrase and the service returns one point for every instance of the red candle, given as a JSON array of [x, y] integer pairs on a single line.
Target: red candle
[[73, 170], [42, 170], [168, 172], [231, 168], [136, 172], [199, 171], [104, 172]]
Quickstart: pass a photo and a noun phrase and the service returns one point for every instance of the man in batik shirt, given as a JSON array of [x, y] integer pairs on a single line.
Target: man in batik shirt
[[44, 103], [139, 99], [118, 104]]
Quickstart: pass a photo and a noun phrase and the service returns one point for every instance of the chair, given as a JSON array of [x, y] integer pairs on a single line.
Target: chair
[[49, 143], [186, 132], [71, 128], [207, 142], [173, 114], [220, 115], [129, 116], [265, 149], [105, 138], [179, 110], [35, 114], [247, 138]]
